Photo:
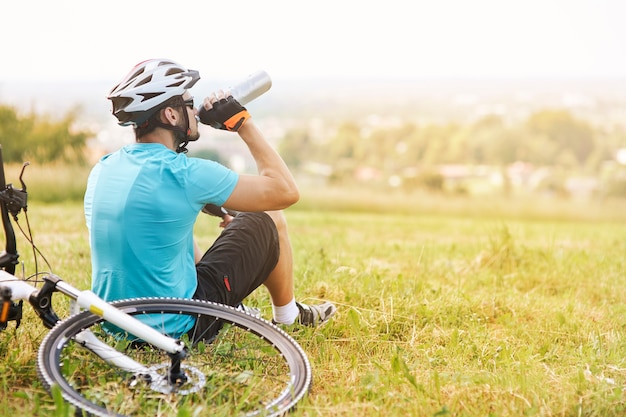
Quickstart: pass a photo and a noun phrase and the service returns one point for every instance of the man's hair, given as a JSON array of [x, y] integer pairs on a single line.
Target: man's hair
[[149, 125]]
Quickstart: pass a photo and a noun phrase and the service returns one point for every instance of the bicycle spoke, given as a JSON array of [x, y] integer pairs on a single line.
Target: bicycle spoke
[[250, 367]]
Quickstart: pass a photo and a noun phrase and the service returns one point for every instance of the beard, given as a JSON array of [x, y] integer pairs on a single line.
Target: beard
[[181, 133], [194, 136]]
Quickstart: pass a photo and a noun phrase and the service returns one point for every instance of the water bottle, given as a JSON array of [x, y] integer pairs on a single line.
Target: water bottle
[[252, 87]]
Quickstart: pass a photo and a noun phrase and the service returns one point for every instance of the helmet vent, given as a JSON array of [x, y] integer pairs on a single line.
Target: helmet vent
[[145, 80], [137, 74], [148, 96], [172, 71], [121, 102]]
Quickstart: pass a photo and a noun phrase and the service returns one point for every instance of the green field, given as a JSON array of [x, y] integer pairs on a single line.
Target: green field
[[447, 307]]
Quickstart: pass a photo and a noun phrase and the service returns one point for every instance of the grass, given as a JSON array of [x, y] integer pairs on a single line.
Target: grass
[[447, 307], [50, 182]]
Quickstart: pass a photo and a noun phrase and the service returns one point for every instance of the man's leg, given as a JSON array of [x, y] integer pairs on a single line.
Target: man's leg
[[255, 249], [240, 259], [280, 281], [281, 287]]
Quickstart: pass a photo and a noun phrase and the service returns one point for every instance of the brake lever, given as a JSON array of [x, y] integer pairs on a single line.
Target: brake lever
[[16, 199], [24, 165]]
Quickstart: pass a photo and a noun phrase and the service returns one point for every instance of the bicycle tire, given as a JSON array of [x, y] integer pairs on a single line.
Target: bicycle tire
[[251, 367]]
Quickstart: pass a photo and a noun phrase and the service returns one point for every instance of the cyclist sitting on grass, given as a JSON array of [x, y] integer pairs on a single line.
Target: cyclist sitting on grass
[[142, 201]]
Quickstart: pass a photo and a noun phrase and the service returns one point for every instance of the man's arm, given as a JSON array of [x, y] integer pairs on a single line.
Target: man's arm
[[274, 188]]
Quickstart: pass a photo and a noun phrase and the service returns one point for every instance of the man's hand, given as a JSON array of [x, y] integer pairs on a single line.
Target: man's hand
[[226, 220], [225, 113]]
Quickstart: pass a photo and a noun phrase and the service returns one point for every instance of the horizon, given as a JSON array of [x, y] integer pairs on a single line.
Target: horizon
[[58, 94]]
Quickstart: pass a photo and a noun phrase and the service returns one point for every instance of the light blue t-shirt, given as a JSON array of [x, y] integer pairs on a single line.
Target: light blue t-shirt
[[141, 204]]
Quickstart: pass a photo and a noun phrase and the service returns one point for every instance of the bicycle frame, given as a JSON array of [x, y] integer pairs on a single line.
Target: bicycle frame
[[13, 291], [21, 290]]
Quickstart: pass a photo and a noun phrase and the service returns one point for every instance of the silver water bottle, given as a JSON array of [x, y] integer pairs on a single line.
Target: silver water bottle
[[247, 90]]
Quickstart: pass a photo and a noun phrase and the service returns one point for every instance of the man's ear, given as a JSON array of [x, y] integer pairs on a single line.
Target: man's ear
[[169, 116]]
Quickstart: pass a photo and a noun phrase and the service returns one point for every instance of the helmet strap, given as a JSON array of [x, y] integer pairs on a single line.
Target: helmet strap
[[181, 134]]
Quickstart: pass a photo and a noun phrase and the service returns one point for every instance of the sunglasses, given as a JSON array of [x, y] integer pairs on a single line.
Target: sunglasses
[[189, 103]]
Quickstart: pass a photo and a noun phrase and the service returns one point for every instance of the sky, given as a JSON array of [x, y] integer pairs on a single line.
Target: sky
[[51, 40]]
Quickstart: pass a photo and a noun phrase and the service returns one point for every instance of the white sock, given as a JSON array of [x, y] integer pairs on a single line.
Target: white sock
[[286, 314]]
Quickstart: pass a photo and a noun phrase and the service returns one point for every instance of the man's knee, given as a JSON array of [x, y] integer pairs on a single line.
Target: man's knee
[[279, 219]]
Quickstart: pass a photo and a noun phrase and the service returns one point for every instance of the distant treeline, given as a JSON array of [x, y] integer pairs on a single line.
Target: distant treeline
[[341, 153], [547, 138]]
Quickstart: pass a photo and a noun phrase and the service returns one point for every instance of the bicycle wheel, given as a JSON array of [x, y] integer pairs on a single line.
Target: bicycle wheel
[[250, 367]]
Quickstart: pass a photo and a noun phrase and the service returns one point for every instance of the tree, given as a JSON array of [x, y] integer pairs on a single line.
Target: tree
[[347, 143], [566, 132], [41, 138], [9, 132], [296, 147]]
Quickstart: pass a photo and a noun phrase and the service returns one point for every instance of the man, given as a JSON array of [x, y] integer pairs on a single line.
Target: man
[[142, 201]]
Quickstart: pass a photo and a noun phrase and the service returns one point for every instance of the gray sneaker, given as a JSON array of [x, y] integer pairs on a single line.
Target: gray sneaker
[[315, 315]]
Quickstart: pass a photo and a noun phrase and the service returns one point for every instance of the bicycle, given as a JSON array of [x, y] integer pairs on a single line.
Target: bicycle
[[105, 360]]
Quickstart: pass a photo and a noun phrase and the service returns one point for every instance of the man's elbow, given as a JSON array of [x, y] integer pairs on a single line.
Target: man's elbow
[[289, 197], [279, 199], [293, 196]]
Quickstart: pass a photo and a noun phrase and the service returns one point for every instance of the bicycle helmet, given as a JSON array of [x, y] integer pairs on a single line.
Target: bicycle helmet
[[148, 85]]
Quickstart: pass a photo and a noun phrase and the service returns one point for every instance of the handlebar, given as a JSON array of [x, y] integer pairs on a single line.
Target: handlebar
[[12, 201], [8, 258]]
